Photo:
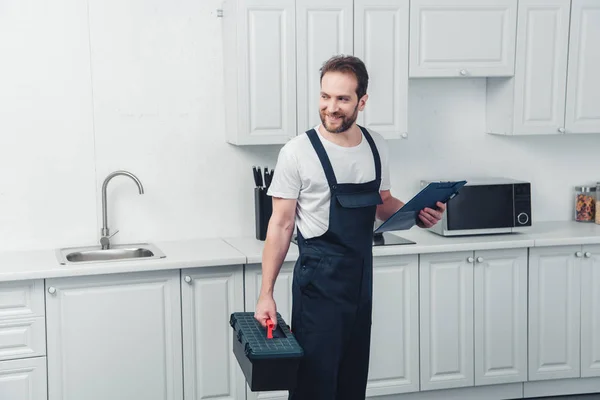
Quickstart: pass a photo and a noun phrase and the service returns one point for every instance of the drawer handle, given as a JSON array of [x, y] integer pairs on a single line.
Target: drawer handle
[[51, 290]]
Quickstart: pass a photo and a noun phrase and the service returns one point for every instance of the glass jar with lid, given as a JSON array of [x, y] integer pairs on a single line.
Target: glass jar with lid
[[598, 202], [585, 203]]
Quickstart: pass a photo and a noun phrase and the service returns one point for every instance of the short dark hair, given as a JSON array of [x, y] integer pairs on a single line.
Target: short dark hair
[[349, 64]]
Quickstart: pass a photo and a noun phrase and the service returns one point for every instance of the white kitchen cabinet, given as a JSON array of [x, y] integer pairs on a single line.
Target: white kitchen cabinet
[[473, 318], [554, 312], [394, 359], [446, 320], [23, 379], [583, 81], [590, 311], [381, 40], [259, 60], [556, 88], [209, 297], [115, 337], [470, 38], [324, 29], [534, 101], [500, 283], [283, 299]]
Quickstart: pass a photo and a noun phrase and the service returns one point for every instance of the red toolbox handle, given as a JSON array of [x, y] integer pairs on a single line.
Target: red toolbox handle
[[270, 326]]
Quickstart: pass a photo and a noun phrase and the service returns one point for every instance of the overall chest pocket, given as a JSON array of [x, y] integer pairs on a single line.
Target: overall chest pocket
[[359, 199]]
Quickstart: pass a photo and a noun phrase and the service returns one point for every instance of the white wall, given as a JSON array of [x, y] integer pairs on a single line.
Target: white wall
[[89, 88]]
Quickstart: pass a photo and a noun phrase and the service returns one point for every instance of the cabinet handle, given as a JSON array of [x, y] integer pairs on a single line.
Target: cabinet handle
[[51, 290], [404, 135], [587, 254], [188, 279], [463, 72], [578, 254], [479, 259], [561, 130], [469, 259]]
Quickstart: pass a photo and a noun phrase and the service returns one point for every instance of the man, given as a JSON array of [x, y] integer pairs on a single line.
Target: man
[[331, 182]]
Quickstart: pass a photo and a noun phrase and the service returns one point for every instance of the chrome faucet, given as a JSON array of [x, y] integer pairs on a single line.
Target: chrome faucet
[[105, 239]]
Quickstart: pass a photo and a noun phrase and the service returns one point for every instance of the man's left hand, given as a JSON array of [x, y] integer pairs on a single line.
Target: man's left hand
[[429, 217]]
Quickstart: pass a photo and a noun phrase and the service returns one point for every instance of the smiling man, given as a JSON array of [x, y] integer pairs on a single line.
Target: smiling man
[[331, 183]]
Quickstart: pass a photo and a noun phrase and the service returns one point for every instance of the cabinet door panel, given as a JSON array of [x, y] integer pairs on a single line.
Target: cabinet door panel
[[446, 320], [323, 30], [462, 38], [211, 370], [500, 316], [124, 329], [541, 66], [583, 82], [590, 312], [554, 312], [23, 379], [381, 30], [394, 362]]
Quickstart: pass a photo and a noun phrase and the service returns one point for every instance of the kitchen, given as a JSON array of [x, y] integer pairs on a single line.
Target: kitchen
[[88, 88]]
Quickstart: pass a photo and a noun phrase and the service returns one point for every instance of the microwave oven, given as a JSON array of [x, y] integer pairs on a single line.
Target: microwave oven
[[486, 206]]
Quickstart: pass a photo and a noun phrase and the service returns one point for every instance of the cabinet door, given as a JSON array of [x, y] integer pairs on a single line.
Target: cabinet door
[[394, 360], [283, 299], [590, 312], [541, 66], [583, 82], [323, 29], [381, 29], [500, 316], [446, 320], [23, 379], [554, 324], [115, 337], [209, 297], [462, 38], [265, 73]]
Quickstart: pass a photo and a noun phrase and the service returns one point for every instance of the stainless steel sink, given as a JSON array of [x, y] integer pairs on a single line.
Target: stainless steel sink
[[118, 252]]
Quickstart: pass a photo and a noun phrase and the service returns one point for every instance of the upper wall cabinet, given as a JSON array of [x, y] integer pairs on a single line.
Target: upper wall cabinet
[[471, 38], [555, 89], [274, 49]]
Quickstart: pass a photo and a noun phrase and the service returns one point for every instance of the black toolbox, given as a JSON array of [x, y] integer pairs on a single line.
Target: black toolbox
[[268, 363]]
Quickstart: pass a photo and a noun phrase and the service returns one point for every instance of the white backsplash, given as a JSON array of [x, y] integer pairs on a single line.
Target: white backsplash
[[137, 85]]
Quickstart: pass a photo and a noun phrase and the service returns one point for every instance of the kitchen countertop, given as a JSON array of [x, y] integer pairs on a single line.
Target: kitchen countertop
[[214, 252], [38, 264]]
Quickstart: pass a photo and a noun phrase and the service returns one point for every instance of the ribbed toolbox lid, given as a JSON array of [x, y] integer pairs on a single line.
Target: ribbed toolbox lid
[[255, 342]]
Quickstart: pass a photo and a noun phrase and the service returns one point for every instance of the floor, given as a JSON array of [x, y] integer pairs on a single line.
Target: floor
[[595, 396]]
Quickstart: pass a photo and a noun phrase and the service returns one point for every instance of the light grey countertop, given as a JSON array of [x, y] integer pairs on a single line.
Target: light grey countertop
[[40, 264]]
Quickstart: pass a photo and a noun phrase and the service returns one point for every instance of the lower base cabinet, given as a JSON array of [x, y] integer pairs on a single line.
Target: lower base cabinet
[[23, 379], [473, 318], [115, 337]]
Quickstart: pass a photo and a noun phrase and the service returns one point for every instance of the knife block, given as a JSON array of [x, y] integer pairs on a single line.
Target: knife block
[[263, 208]]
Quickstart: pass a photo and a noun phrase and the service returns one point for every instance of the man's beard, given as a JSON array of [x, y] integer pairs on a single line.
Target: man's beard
[[346, 124]]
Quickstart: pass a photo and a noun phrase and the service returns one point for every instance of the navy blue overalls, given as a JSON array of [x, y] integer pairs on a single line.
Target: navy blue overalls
[[332, 290]]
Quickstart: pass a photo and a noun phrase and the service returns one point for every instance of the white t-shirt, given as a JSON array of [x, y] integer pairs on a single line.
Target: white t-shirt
[[299, 175]]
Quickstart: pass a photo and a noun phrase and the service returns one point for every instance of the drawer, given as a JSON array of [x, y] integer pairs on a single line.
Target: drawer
[[21, 299], [23, 379], [22, 338]]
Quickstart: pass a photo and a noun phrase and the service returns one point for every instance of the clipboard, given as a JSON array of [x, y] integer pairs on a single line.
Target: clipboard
[[406, 217]]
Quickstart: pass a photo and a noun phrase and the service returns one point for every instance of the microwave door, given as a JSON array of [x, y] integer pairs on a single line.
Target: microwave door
[[481, 207]]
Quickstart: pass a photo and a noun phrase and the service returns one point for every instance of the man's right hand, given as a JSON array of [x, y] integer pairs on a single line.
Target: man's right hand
[[266, 309]]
